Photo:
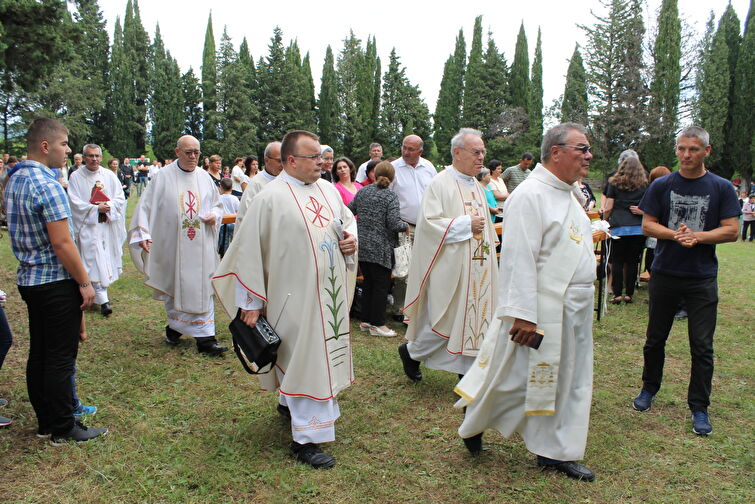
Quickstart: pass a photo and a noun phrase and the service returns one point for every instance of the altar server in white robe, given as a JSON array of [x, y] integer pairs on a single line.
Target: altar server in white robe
[[173, 239], [546, 284], [451, 292], [303, 241], [273, 167], [99, 228]]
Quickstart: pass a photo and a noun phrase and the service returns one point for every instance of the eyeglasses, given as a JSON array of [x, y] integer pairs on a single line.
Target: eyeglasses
[[310, 156], [192, 153], [476, 152], [582, 148], [93, 155]]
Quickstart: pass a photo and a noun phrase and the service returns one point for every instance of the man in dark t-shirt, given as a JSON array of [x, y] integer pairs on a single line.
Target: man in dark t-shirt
[[689, 212]]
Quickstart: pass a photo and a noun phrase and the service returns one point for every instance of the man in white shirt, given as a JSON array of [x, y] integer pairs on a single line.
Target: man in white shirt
[[238, 177], [376, 153]]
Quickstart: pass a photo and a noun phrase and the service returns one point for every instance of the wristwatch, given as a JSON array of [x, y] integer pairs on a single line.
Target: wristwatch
[[85, 284]]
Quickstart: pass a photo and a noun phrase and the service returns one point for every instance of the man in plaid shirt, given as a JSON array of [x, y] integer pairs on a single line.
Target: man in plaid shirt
[[51, 279]]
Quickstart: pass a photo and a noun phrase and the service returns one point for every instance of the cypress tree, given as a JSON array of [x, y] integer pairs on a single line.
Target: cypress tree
[[192, 110], [271, 90], [120, 105], [447, 118], [729, 23], [136, 51], [328, 108], [743, 117], [665, 87], [309, 112], [535, 135], [296, 103], [166, 104], [475, 106], [350, 67], [209, 92], [574, 105], [519, 81], [714, 96]]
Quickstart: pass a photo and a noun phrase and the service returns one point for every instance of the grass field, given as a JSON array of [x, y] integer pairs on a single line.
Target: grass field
[[185, 428]]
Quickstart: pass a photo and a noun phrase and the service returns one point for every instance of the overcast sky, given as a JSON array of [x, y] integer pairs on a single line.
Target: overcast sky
[[423, 33]]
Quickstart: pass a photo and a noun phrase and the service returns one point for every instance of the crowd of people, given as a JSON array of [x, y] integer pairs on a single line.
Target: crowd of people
[[517, 331]]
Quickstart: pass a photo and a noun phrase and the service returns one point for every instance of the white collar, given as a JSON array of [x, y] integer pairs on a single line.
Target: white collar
[[285, 177], [460, 176], [267, 175]]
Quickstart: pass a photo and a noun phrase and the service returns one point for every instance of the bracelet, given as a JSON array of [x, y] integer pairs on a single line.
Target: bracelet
[[85, 284]]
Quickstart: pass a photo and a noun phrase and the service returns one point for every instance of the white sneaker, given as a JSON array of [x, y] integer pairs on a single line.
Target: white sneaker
[[376, 331]]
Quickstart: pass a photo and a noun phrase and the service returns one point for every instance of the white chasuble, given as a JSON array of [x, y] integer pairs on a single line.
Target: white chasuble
[[99, 239], [538, 223], [285, 252], [255, 185], [182, 255], [452, 283]]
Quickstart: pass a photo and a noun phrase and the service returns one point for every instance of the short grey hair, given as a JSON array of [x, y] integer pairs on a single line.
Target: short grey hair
[[375, 144], [458, 138], [557, 135], [92, 146], [627, 154], [481, 175], [694, 132], [268, 147], [325, 148]]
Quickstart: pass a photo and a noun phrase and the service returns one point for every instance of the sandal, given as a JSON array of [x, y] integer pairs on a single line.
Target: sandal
[[616, 300], [628, 299]]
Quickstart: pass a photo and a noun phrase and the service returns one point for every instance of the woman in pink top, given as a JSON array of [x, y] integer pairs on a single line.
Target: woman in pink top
[[344, 173]]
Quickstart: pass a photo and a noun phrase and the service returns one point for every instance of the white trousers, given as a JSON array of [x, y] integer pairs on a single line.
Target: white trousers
[[100, 293], [196, 325], [430, 348]]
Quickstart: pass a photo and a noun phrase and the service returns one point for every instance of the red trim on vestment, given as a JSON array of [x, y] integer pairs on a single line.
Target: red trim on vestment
[[242, 283], [424, 279]]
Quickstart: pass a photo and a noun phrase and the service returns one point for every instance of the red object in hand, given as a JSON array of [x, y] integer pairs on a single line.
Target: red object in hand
[[98, 197]]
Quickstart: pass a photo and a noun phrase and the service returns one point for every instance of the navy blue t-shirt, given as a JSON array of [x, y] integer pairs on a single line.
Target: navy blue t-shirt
[[700, 203]]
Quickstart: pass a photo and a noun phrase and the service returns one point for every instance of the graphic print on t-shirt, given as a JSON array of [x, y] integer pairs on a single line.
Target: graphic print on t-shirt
[[688, 209]]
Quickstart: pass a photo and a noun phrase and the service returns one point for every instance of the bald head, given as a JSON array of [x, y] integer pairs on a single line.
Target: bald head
[[187, 152], [273, 164], [411, 149]]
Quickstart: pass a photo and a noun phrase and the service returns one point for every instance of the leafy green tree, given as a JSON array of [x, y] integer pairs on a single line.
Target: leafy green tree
[[166, 101], [663, 107], [366, 131], [328, 107], [192, 99], [574, 106], [475, 92], [519, 81], [447, 119], [350, 67], [297, 101], [210, 122], [743, 118], [495, 76]]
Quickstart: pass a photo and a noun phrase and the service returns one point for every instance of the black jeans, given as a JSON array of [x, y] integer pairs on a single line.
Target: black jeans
[[54, 324], [6, 336], [625, 251], [377, 283], [745, 226], [701, 298]]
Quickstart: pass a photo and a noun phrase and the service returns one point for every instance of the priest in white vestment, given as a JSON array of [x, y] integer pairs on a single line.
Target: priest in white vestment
[[98, 210], [273, 167], [452, 280], [293, 259], [173, 239], [546, 285]]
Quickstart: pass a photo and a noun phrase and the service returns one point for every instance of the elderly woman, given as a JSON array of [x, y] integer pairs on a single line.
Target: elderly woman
[[378, 227], [623, 194], [484, 179], [327, 163], [344, 173]]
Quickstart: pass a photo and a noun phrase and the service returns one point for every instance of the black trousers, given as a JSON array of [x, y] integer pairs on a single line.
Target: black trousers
[[745, 226], [377, 283], [701, 298], [625, 251], [54, 324]]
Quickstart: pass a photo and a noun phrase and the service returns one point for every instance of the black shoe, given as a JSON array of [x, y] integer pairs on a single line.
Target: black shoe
[[398, 318], [473, 444], [411, 366], [79, 433], [284, 411], [311, 454], [105, 309], [209, 346], [172, 337], [571, 468]]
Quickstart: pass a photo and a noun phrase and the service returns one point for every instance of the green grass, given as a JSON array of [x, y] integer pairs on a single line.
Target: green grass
[[186, 428]]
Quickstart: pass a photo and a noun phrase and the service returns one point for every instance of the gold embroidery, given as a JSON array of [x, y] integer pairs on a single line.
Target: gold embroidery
[[575, 234], [542, 375]]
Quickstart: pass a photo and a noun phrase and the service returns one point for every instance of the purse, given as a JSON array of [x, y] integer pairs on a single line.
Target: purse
[[256, 345], [402, 256]]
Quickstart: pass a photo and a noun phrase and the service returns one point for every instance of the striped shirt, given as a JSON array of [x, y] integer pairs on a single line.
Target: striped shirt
[[33, 197]]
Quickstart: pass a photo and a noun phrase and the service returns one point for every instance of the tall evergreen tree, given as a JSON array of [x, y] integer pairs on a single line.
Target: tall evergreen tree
[[192, 99], [328, 107], [743, 118], [519, 80], [535, 134], [475, 106], [310, 110], [663, 107], [574, 106], [166, 103], [249, 71], [704, 47], [296, 103], [730, 25], [350, 68], [210, 123], [447, 119], [271, 90], [366, 131], [121, 109], [136, 49], [495, 76]]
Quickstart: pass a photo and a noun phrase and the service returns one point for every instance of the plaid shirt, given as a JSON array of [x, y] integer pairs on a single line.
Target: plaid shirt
[[33, 197]]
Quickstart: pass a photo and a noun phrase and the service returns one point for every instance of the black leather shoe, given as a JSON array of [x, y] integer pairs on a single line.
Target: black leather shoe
[[209, 346], [398, 318], [172, 337], [473, 444], [571, 468], [105, 309], [311, 454], [411, 366], [284, 411]]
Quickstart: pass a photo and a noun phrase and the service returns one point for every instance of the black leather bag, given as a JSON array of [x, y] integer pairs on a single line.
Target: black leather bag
[[256, 345]]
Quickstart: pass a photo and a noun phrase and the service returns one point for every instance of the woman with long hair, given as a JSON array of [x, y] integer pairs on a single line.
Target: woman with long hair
[[344, 173], [623, 194], [378, 226]]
